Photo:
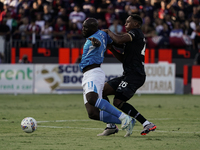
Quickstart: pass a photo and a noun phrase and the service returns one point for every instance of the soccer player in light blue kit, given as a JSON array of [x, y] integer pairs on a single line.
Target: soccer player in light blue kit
[[94, 79]]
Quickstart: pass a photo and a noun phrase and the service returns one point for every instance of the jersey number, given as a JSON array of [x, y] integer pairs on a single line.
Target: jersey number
[[143, 50]]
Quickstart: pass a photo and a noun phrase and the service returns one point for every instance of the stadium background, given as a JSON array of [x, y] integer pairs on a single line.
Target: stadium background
[[49, 31]]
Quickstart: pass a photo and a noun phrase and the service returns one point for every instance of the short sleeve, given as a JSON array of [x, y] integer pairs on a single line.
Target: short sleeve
[[132, 34]]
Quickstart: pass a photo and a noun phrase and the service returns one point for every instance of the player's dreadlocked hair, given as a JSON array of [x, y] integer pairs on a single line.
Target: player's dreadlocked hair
[[137, 18]]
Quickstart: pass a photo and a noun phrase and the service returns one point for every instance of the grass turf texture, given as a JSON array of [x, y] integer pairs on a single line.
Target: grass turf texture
[[67, 126]]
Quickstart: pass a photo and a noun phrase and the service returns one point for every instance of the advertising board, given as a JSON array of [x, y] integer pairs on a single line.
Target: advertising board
[[16, 78]]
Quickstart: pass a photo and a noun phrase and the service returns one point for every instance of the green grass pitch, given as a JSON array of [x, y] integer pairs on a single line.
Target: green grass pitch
[[63, 124]]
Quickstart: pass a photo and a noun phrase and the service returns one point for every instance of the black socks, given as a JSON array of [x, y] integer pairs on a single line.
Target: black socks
[[131, 111]]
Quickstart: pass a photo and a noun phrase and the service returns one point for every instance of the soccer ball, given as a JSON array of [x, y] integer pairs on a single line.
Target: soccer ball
[[28, 124]]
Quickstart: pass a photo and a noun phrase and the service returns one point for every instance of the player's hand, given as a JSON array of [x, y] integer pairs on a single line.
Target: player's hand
[[105, 30], [95, 42]]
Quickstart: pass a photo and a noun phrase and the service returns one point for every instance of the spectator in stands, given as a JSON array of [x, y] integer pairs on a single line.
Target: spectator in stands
[[46, 35], [168, 21], [62, 14], [177, 37], [74, 33], [163, 10], [39, 20], [116, 27], [102, 24], [77, 16], [4, 12], [12, 4], [148, 9], [165, 32], [19, 5], [47, 15], [110, 15], [40, 6], [20, 33], [132, 7], [155, 15], [195, 22], [33, 31], [5, 30], [59, 31], [87, 5], [11, 22], [181, 17], [158, 25], [177, 31], [34, 10], [195, 36], [27, 6], [189, 8], [57, 5], [180, 6], [148, 28], [119, 6], [102, 9], [92, 13], [164, 42], [196, 12], [24, 60], [20, 15]]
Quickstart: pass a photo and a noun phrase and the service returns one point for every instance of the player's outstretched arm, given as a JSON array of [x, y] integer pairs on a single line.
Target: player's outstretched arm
[[120, 39], [95, 42]]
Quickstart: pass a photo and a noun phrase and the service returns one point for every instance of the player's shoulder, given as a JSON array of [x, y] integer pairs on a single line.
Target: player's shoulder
[[137, 32], [100, 35]]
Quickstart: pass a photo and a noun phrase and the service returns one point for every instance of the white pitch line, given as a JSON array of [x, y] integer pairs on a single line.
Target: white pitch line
[[79, 120], [64, 121], [119, 129]]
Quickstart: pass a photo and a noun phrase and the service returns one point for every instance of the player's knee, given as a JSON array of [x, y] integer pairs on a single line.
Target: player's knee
[[92, 98], [117, 103]]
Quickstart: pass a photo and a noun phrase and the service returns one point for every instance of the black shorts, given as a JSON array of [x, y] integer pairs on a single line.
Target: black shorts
[[126, 85]]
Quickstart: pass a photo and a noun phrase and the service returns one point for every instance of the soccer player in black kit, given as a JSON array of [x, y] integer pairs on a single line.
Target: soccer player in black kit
[[134, 76]]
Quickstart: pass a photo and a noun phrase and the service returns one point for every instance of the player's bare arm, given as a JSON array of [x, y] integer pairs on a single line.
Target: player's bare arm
[[95, 42], [120, 39]]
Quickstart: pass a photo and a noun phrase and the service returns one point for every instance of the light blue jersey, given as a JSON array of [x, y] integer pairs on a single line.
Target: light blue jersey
[[94, 55]]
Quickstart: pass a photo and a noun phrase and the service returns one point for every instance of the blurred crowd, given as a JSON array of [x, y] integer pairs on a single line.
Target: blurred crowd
[[165, 22]]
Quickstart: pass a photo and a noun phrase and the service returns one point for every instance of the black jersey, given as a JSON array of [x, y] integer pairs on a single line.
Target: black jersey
[[134, 52]]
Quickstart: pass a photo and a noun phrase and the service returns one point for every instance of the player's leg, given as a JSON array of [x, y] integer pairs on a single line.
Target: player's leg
[[110, 88], [92, 80], [104, 105], [125, 91], [95, 114]]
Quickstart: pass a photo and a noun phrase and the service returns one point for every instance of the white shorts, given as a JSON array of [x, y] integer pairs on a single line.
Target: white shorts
[[93, 81]]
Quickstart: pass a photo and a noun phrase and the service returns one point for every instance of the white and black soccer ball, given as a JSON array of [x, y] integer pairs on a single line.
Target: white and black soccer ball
[[28, 124]]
